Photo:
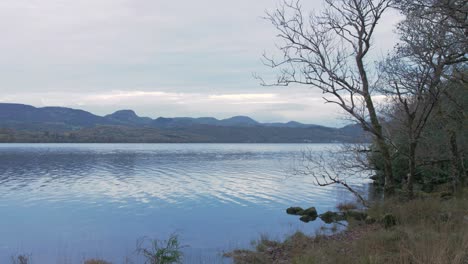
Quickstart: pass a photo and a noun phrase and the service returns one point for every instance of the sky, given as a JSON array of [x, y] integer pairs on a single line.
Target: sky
[[160, 58]]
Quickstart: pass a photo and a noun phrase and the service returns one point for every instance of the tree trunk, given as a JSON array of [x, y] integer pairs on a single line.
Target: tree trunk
[[389, 187], [412, 168], [458, 170]]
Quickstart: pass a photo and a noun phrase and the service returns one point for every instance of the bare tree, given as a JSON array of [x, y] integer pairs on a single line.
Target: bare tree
[[432, 50], [337, 166], [454, 12], [413, 98], [451, 117], [330, 52], [435, 33]]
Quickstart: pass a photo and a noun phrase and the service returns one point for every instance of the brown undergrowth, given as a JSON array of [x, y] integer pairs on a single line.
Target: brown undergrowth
[[427, 230]]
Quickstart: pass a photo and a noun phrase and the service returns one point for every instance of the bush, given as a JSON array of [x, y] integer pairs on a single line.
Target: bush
[[160, 252], [21, 259]]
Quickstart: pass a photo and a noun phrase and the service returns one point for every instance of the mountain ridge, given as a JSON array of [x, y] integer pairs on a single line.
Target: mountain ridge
[[25, 123], [125, 116]]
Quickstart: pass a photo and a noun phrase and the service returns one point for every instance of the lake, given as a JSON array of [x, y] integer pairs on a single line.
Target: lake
[[62, 203]]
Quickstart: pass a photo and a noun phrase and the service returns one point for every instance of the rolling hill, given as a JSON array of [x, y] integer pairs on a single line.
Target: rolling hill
[[24, 123]]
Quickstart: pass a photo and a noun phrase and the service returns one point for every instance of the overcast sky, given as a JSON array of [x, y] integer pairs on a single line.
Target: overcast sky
[[159, 58]]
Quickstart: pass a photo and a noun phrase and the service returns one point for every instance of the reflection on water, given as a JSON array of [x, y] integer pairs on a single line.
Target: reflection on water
[[71, 201]]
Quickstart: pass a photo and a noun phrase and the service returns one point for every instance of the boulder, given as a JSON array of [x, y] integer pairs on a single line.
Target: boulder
[[330, 217], [295, 211], [307, 218], [310, 212]]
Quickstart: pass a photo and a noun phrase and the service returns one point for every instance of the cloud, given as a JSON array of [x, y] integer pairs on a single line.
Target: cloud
[[300, 105], [168, 58], [266, 98], [125, 95]]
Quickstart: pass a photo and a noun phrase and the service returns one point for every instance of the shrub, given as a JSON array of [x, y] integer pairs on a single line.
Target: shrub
[[21, 259], [160, 252]]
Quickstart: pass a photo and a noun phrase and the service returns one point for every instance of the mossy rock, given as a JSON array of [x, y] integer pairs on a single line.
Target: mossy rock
[[356, 215], [295, 211], [389, 221], [310, 212], [307, 218], [330, 217]]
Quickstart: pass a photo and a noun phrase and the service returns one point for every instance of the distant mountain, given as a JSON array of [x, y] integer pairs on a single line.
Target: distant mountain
[[292, 124], [20, 116], [24, 123], [239, 121], [242, 121], [354, 130], [128, 117]]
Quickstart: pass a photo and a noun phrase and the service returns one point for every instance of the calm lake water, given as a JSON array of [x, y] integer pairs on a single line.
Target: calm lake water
[[63, 203]]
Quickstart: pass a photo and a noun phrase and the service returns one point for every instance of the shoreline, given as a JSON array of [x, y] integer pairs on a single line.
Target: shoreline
[[428, 229]]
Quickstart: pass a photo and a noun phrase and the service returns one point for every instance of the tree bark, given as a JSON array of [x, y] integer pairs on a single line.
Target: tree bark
[[458, 170], [412, 168], [389, 187]]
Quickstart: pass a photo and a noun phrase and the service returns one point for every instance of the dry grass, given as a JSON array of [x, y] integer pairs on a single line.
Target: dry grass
[[346, 206], [428, 231]]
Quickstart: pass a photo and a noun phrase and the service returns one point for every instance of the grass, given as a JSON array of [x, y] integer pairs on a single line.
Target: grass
[[160, 252], [346, 206], [153, 251], [21, 259], [427, 230]]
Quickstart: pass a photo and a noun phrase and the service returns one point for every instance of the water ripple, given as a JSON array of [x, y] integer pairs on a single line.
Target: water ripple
[[149, 186]]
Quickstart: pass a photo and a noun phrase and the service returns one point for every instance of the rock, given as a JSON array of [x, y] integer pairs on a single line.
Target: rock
[[295, 211], [307, 218], [389, 220], [330, 217], [356, 215], [310, 212]]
